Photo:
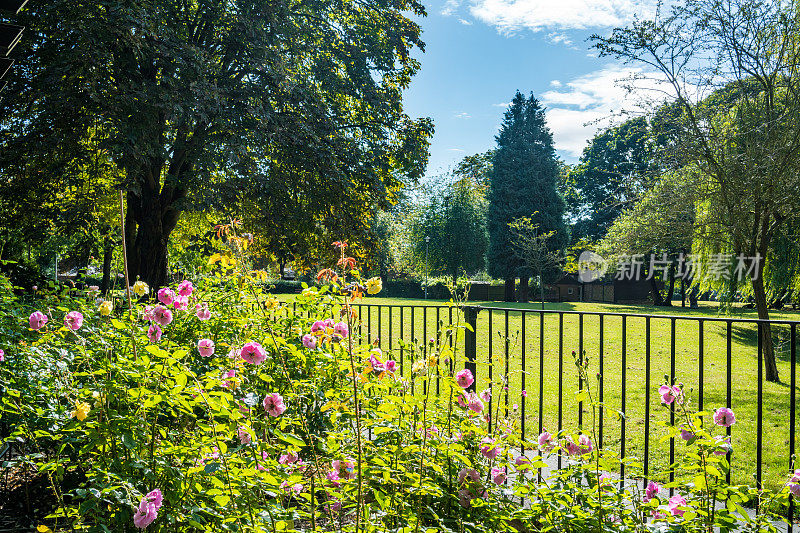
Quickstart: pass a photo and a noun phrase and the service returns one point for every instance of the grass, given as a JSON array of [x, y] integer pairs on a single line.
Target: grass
[[525, 359]]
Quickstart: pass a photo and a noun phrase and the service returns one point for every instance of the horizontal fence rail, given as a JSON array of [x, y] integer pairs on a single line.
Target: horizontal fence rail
[[718, 359]]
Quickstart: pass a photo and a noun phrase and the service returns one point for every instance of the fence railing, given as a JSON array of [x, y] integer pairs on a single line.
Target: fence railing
[[529, 351]]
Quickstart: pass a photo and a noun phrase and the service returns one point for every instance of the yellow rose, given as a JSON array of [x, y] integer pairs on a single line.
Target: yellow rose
[[271, 303], [105, 308], [81, 410], [374, 285], [140, 288], [418, 367]]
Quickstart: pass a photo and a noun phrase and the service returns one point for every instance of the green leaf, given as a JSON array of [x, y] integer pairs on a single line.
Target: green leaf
[[290, 439]]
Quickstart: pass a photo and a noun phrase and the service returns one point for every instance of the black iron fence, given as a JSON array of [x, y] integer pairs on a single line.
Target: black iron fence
[[529, 354]]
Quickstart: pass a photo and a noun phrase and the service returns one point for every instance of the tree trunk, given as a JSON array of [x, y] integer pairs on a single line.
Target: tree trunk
[[768, 349], [523, 288], [509, 295], [108, 254], [693, 294], [147, 253], [671, 289], [655, 294], [541, 291], [683, 291]]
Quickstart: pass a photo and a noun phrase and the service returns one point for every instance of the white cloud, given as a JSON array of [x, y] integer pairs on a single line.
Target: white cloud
[[465, 22], [577, 109], [501, 104], [463, 115], [450, 7], [559, 38], [455, 150], [510, 16]]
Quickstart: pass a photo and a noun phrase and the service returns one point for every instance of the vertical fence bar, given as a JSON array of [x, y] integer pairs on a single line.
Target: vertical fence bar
[[413, 347], [647, 387], [792, 412], [425, 344], [580, 361], [369, 324], [402, 349], [600, 384], [524, 392], [672, 409], [470, 343], [700, 365], [760, 406], [560, 376], [491, 366], [541, 373], [380, 327], [623, 397], [450, 339], [729, 385], [508, 379], [438, 362], [390, 329]]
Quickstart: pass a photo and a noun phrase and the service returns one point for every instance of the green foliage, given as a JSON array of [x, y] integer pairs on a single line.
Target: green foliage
[[524, 178], [297, 104], [456, 225], [662, 221], [613, 171], [104, 416]]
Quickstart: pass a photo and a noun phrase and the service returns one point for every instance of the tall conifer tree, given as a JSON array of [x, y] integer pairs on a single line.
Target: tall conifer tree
[[523, 184]]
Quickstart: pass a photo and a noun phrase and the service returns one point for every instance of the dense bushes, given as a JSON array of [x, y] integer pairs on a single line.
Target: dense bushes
[[198, 410]]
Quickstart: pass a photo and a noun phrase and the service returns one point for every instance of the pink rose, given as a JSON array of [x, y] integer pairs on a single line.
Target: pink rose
[[166, 296], [37, 320], [309, 341], [185, 288], [273, 404], [162, 315], [341, 329], [73, 320], [202, 312], [154, 333], [464, 378], [253, 353], [205, 347]]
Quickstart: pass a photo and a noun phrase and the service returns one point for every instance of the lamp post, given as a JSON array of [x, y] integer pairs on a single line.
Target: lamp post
[[427, 240]]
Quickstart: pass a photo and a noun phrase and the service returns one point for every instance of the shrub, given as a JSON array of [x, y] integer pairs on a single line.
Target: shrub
[[213, 406]]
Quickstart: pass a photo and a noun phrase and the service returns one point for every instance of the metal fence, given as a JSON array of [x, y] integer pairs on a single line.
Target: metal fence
[[719, 359]]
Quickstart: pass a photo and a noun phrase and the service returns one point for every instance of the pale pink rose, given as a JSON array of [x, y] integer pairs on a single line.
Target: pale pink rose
[[205, 347], [166, 296], [202, 312], [273, 404], [185, 288], [154, 333], [73, 320], [253, 353], [162, 316]]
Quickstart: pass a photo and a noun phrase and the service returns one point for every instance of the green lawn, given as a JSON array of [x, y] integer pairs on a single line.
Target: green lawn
[[775, 426]]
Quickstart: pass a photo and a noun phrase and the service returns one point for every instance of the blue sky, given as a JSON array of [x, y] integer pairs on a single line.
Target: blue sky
[[479, 52]]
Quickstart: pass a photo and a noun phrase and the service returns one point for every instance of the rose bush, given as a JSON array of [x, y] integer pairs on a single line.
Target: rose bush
[[213, 406]]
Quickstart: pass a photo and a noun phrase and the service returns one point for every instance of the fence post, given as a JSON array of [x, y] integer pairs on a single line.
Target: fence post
[[470, 342]]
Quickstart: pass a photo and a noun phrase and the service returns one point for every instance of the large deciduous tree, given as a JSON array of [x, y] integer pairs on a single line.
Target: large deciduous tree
[[199, 93], [613, 171], [745, 137], [524, 178], [455, 221]]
